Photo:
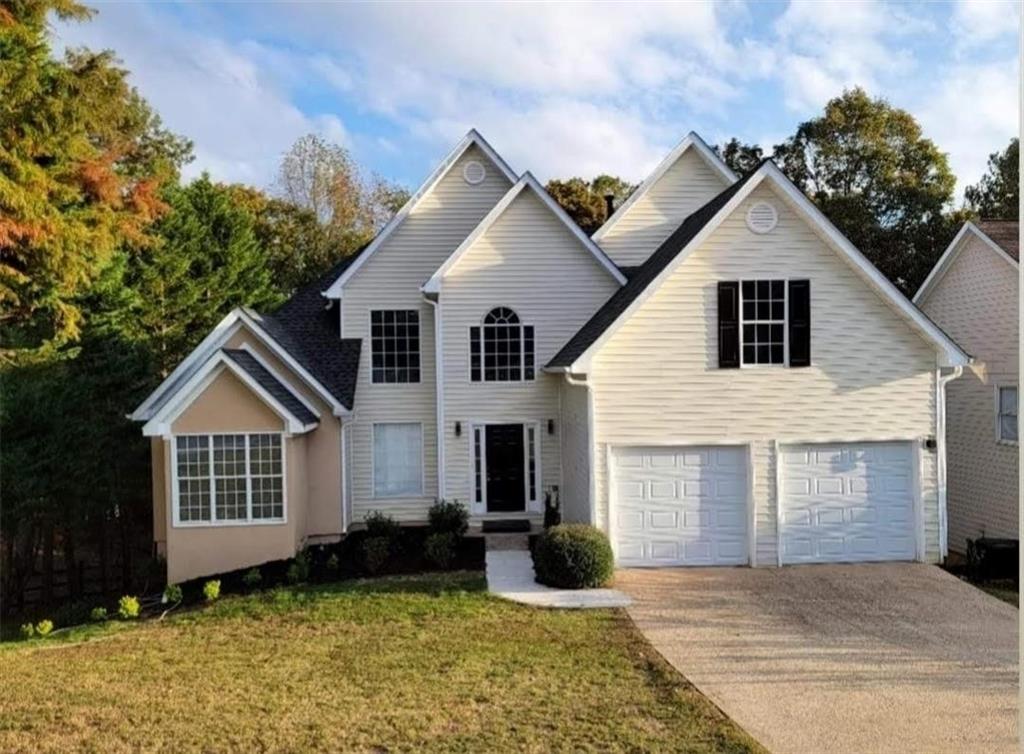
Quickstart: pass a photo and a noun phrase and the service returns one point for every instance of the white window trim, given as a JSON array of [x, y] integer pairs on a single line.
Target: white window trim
[[999, 387], [522, 351], [176, 521], [419, 346], [373, 464], [784, 321], [532, 504]]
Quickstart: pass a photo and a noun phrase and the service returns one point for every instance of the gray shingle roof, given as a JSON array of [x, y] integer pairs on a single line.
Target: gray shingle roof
[[271, 384], [1006, 234], [643, 276]]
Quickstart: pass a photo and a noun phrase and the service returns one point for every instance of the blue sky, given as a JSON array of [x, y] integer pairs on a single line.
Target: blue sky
[[558, 89]]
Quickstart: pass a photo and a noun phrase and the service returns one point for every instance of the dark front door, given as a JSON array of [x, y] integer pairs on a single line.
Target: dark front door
[[505, 480]]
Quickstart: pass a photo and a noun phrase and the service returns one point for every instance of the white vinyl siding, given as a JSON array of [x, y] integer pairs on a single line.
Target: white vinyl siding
[[976, 303], [657, 378], [531, 263], [391, 279], [576, 448], [683, 188]]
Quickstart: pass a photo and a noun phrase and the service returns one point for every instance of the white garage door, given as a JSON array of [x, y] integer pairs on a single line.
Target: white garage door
[[680, 506], [847, 503]]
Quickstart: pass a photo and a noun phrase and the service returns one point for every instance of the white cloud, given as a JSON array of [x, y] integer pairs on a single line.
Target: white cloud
[[977, 22]]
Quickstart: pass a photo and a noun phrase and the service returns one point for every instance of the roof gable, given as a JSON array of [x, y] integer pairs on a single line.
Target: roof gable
[[525, 184], [1007, 250], [577, 354], [473, 138]]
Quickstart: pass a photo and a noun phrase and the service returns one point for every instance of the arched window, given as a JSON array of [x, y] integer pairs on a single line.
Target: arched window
[[501, 349]]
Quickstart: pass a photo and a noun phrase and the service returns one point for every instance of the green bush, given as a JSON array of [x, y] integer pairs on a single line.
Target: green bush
[[298, 571], [172, 595], [252, 578], [128, 607], [439, 549], [375, 553], [211, 590], [382, 525], [448, 518], [44, 627], [573, 556], [98, 614], [27, 630], [333, 564]]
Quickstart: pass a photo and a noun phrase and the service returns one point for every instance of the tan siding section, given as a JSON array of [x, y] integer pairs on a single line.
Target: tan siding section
[[227, 405], [976, 303], [530, 262], [391, 279], [687, 185], [576, 440], [872, 376]]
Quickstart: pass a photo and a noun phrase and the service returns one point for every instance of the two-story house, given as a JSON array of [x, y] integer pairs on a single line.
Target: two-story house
[[716, 377]]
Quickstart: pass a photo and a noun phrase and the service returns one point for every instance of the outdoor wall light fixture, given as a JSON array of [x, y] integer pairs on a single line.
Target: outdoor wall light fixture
[[458, 429], [551, 426]]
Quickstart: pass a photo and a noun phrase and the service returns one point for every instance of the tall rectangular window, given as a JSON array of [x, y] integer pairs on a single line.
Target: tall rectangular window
[[501, 349], [478, 465], [395, 346], [1007, 416], [531, 462], [397, 460], [763, 321], [229, 478]]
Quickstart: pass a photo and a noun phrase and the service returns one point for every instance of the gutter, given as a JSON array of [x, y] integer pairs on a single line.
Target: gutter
[[438, 390], [940, 442]]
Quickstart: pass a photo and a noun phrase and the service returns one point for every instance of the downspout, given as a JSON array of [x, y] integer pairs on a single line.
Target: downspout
[[940, 450], [591, 446], [438, 392]]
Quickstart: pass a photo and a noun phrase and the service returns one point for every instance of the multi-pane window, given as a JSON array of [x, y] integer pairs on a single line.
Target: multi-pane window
[[395, 345], [1007, 417], [763, 321], [478, 464], [397, 459], [501, 349], [229, 478]]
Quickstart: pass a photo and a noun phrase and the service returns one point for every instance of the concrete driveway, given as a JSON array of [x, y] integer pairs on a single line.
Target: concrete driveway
[[840, 658]]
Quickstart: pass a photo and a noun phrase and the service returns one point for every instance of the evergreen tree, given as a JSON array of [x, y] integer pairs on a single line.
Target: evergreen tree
[[997, 195]]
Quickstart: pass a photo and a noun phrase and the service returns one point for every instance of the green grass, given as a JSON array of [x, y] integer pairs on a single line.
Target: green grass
[[427, 663]]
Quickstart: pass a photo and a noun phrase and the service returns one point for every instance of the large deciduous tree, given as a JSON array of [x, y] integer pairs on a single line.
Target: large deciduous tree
[[82, 158], [997, 195], [740, 157], [584, 201]]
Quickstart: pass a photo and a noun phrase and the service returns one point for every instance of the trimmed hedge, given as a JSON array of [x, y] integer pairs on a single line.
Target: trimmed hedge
[[573, 556]]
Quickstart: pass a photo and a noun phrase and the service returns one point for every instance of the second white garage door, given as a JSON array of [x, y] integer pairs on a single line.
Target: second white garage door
[[680, 506], [847, 503]]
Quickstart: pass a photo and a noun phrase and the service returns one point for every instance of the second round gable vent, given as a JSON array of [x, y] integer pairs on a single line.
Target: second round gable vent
[[762, 218], [474, 172]]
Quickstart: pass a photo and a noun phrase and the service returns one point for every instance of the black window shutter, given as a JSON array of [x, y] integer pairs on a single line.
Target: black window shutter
[[729, 324], [799, 323]]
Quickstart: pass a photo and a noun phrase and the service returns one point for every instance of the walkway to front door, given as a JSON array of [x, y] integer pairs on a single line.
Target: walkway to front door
[[506, 475]]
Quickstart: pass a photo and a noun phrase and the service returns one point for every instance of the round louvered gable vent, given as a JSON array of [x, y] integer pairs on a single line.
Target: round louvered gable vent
[[762, 218], [474, 172]]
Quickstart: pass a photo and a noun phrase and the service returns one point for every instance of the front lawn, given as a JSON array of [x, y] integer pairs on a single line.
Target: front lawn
[[404, 663]]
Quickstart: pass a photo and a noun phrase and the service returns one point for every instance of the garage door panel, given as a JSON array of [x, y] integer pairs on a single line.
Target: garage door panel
[[847, 503], [680, 506]]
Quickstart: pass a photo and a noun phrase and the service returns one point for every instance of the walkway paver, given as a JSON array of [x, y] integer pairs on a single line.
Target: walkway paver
[[510, 576]]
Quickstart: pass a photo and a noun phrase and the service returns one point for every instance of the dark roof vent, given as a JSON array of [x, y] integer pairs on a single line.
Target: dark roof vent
[[609, 205]]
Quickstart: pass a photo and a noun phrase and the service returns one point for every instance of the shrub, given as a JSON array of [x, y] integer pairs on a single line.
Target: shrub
[[98, 614], [573, 556], [211, 590], [439, 548], [252, 578], [448, 518], [172, 595], [298, 571], [44, 627], [27, 630], [382, 525], [128, 607], [552, 510], [375, 553], [333, 564]]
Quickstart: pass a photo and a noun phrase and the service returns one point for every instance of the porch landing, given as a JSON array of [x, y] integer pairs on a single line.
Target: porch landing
[[510, 576]]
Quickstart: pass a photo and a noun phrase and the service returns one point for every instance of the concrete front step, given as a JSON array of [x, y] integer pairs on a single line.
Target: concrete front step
[[494, 542]]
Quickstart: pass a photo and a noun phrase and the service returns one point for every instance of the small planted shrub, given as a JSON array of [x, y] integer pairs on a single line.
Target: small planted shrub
[[44, 627], [439, 549], [382, 525], [448, 518], [375, 553], [211, 590], [98, 614], [128, 607], [172, 595], [27, 630], [573, 556], [252, 578], [298, 571], [333, 564]]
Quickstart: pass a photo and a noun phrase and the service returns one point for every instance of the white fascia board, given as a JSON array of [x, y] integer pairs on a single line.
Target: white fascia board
[[952, 252], [952, 353], [161, 422], [470, 139], [433, 285], [691, 140]]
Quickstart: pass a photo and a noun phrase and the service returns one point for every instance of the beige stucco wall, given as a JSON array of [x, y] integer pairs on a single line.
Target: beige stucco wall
[[657, 378], [976, 303]]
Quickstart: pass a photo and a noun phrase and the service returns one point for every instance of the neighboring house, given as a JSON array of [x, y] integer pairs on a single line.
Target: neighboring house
[[973, 294], [717, 377]]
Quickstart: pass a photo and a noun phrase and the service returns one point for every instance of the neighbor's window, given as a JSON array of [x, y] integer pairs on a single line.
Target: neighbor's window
[[763, 321], [395, 346], [501, 349], [1007, 417], [236, 478], [397, 460]]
